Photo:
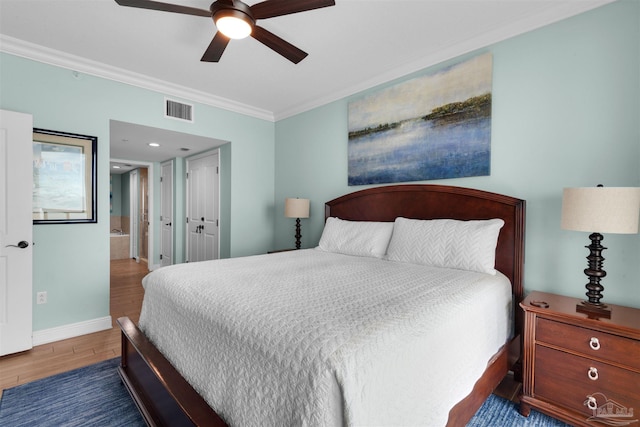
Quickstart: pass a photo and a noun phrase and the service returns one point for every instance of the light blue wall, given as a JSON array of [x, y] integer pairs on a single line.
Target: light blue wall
[[180, 211], [71, 262], [566, 112], [116, 194]]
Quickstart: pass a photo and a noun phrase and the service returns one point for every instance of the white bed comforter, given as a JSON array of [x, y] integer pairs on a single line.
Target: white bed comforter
[[310, 338]]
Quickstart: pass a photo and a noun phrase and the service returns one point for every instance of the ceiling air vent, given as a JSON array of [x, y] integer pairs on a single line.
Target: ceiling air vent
[[178, 110]]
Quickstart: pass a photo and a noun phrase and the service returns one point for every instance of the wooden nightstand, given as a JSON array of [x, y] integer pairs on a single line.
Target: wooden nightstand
[[580, 369]]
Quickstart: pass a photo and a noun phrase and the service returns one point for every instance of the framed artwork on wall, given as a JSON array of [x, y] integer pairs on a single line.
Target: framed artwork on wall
[[434, 126], [64, 178]]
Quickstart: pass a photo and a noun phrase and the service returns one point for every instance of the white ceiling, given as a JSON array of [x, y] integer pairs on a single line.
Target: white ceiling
[[130, 142], [352, 46]]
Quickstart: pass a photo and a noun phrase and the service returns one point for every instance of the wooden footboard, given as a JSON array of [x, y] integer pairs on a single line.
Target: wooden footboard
[[162, 395]]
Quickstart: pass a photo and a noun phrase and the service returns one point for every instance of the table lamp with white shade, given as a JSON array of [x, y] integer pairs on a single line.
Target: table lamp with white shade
[[296, 208], [599, 210]]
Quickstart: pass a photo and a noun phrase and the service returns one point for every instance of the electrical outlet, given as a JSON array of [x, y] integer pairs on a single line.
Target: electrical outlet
[[41, 298]]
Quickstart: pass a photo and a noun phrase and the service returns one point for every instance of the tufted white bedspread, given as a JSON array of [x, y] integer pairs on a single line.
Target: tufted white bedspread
[[310, 338]]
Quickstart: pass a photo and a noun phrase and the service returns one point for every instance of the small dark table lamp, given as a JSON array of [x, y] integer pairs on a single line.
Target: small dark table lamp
[[599, 210], [297, 208]]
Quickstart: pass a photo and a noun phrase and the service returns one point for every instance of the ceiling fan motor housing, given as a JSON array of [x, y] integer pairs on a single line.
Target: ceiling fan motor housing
[[237, 10]]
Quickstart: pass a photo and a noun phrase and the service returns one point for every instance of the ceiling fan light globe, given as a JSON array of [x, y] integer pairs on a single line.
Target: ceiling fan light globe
[[233, 24]]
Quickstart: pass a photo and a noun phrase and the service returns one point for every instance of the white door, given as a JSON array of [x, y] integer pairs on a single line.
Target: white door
[[166, 213], [16, 162], [133, 214], [202, 207]]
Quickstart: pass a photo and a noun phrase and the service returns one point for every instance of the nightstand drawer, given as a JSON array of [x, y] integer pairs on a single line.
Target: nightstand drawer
[[570, 381], [601, 345]]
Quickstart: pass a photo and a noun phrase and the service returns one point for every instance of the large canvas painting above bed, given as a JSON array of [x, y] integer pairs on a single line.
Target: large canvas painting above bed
[[431, 127]]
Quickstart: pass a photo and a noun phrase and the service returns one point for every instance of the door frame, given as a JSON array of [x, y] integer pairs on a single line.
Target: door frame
[[134, 189], [171, 164], [150, 238]]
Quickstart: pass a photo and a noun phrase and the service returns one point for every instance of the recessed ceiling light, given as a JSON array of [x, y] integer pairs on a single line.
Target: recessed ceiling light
[[116, 167], [154, 144]]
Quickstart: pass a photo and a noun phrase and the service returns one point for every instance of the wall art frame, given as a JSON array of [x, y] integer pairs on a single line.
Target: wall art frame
[[433, 126], [64, 177]]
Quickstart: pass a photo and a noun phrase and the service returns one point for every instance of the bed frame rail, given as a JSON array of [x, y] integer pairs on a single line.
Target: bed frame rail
[[163, 397]]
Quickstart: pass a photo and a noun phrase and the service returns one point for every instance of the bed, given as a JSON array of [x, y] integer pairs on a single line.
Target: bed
[[165, 392]]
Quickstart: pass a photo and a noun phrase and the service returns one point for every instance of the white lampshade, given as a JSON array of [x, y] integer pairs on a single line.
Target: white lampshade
[[601, 209], [296, 208], [233, 23]]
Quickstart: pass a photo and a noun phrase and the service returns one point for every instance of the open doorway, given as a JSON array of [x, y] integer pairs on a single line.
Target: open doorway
[[139, 214], [131, 195], [138, 147]]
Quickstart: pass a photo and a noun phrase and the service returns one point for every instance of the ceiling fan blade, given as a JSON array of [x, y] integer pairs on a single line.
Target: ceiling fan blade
[[279, 45], [273, 8], [216, 48], [165, 7]]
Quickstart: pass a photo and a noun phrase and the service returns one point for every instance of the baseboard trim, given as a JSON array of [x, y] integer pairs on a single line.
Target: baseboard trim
[[72, 330]]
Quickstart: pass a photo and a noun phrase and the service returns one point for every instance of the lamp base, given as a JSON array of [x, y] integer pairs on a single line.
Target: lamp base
[[595, 273], [594, 310], [298, 234]]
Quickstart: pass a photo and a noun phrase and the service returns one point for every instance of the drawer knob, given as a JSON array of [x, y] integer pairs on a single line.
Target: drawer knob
[[591, 403], [593, 373], [594, 343]]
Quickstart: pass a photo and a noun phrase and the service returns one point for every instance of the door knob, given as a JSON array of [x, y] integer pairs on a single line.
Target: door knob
[[22, 244]]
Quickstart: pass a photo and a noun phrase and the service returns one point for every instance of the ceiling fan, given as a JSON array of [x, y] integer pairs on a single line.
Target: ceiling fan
[[235, 19]]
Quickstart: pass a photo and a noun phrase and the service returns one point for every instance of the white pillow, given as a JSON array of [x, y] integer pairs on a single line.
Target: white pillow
[[464, 245], [360, 238]]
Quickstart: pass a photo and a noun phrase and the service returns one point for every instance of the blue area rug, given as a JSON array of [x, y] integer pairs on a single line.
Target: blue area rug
[[94, 396], [497, 411], [90, 396]]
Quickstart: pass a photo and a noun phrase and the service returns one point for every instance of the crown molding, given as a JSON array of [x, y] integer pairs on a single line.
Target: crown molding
[[561, 11], [57, 58], [528, 23]]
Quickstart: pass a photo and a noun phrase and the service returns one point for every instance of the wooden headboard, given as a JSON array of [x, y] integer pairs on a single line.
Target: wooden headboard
[[438, 202]]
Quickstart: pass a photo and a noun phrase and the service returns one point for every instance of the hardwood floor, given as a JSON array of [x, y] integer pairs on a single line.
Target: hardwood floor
[[61, 356], [126, 300]]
